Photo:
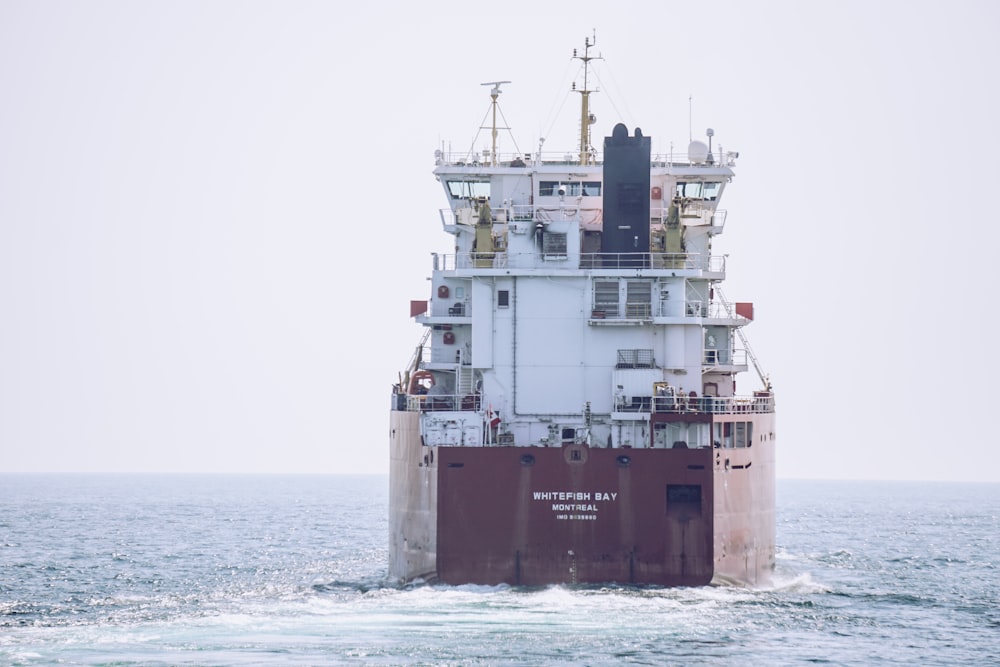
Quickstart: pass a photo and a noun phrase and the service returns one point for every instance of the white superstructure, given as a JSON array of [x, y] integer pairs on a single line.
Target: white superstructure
[[551, 334], [571, 413]]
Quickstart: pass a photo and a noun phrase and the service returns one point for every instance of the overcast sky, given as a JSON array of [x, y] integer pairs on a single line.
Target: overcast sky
[[213, 215]]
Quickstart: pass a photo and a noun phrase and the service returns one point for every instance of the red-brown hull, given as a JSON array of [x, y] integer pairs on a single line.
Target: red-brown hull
[[576, 514]]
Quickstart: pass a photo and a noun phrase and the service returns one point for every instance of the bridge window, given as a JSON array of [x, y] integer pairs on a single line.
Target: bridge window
[[698, 190], [469, 189], [574, 189]]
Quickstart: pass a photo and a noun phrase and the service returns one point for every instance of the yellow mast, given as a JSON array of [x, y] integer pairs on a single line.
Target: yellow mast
[[586, 118], [494, 94]]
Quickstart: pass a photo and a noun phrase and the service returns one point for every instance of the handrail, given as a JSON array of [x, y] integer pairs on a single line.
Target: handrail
[[732, 357], [645, 311], [697, 213], [760, 402], [671, 158], [765, 380], [589, 260], [454, 307]]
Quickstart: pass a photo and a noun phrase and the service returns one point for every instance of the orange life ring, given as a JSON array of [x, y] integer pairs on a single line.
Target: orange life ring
[[416, 382], [443, 292]]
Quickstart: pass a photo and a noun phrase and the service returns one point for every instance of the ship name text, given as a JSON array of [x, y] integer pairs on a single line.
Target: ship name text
[[574, 495], [575, 501]]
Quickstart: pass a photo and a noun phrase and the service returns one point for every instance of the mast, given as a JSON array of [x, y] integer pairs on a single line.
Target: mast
[[586, 118], [494, 94]]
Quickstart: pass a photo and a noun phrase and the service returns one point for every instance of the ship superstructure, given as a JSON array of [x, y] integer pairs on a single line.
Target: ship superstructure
[[571, 413]]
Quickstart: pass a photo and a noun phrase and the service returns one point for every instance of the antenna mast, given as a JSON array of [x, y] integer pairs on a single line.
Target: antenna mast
[[586, 118], [494, 94]]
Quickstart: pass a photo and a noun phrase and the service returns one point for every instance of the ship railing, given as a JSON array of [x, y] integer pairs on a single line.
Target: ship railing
[[654, 260], [734, 357], [485, 158], [721, 309], [522, 218], [761, 402], [432, 402], [594, 260], [699, 214], [643, 311], [451, 308], [505, 159]]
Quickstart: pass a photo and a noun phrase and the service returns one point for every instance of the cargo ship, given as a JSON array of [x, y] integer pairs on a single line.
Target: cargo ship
[[570, 414]]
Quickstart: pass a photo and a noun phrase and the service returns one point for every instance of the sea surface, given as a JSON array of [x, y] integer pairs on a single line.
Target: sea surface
[[291, 570]]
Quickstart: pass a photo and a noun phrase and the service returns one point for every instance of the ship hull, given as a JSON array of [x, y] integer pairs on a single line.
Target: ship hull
[[580, 515]]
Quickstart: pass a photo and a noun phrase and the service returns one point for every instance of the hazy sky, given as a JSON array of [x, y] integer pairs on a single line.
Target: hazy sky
[[213, 215]]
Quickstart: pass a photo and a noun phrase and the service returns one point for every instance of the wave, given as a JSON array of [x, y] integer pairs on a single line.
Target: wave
[[802, 583]]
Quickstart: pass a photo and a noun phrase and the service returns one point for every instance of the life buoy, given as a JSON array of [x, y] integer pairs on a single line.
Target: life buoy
[[443, 292], [656, 193], [417, 382], [449, 338]]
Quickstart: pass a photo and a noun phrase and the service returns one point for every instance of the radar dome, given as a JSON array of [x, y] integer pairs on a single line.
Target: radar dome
[[697, 152]]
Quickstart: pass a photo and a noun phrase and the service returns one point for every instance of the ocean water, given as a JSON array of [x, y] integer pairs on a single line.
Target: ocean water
[[291, 570]]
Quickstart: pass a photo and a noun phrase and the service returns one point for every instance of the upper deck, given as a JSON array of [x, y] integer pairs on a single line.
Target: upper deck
[[542, 213], [695, 161]]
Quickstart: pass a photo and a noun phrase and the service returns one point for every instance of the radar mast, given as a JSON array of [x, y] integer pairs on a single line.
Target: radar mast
[[494, 94], [586, 118]]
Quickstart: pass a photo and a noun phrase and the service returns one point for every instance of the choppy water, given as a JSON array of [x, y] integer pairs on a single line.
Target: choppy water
[[290, 570]]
